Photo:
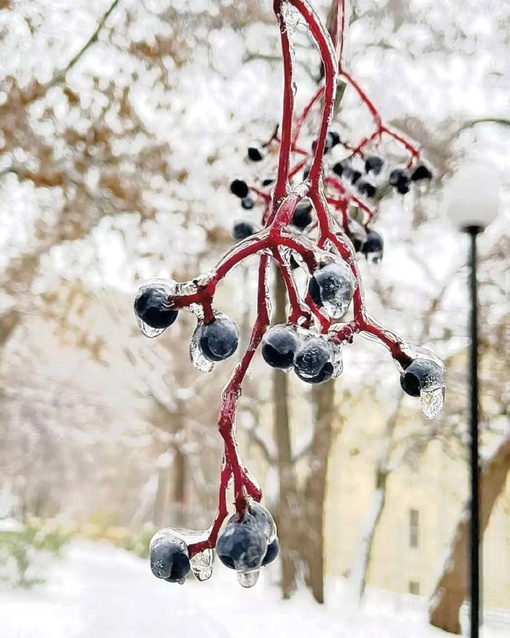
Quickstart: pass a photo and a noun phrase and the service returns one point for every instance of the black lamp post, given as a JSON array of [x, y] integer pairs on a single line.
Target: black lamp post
[[472, 204]]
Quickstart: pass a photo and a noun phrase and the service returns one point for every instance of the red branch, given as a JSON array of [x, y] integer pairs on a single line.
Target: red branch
[[277, 235]]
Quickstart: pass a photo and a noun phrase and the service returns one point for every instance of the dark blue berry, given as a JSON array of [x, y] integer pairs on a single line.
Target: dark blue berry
[[153, 307], [366, 188], [345, 169], [330, 284], [279, 346], [169, 559], [273, 550], [374, 164], [302, 215], [248, 202], [219, 339], [420, 374], [373, 245], [242, 230], [243, 544], [239, 188], [313, 362], [421, 172], [399, 178], [255, 154]]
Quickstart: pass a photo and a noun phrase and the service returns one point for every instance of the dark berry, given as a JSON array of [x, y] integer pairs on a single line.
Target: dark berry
[[267, 182], [152, 306], [255, 154], [248, 202], [374, 164], [333, 139], [339, 168], [313, 362], [332, 287], [242, 230], [219, 339], [273, 550], [243, 544], [345, 169], [421, 172], [366, 188], [279, 346], [400, 179], [239, 188], [421, 374], [373, 245], [169, 559], [357, 234], [302, 215]]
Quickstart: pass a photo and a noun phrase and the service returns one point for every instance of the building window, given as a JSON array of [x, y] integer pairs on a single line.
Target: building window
[[414, 588], [414, 528]]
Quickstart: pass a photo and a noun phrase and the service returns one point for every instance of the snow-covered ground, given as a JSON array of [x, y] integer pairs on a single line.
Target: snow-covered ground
[[101, 592]]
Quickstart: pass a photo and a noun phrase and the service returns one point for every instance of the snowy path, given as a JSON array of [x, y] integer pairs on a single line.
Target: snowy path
[[102, 592]]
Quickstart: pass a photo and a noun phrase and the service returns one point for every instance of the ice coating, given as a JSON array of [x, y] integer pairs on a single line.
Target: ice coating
[[148, 331], [197, 358], [248, 579], [432, 401], [202, 565]]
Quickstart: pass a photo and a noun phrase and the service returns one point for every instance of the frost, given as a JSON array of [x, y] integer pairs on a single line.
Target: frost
[[432, 401]]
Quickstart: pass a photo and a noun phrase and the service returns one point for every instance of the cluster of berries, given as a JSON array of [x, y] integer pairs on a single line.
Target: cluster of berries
[[245, 544], [212, 341], [371, 178]]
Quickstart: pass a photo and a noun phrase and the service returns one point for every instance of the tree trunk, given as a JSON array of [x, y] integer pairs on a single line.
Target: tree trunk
[[359, 571], [452, 587], [315, 489], [179, 471], [361, 564], [287, 520]]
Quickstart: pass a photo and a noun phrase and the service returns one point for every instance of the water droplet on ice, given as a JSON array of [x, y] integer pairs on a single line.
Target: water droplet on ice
[[147, 330], [248, 579], [431, 402], [196, 354], [202, 565]]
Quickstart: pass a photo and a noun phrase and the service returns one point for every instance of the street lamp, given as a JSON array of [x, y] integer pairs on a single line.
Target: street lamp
[[472, 204]]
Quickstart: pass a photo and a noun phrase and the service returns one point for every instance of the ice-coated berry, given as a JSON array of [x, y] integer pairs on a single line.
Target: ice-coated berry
[[273, 550], [373, 245], [421, 172], [366, 188], [169, 559], [242, 230], [239, 188], [243, 544], [420, 375], [152, 306], [219, 339], [399, 178], [279, 346], [248, 202], [314, 361], [255, 154], [302, 215], [332, 288], [374, 164]]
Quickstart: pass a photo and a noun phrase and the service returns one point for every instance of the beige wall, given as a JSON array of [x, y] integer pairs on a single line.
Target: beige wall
[[435, 486]]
